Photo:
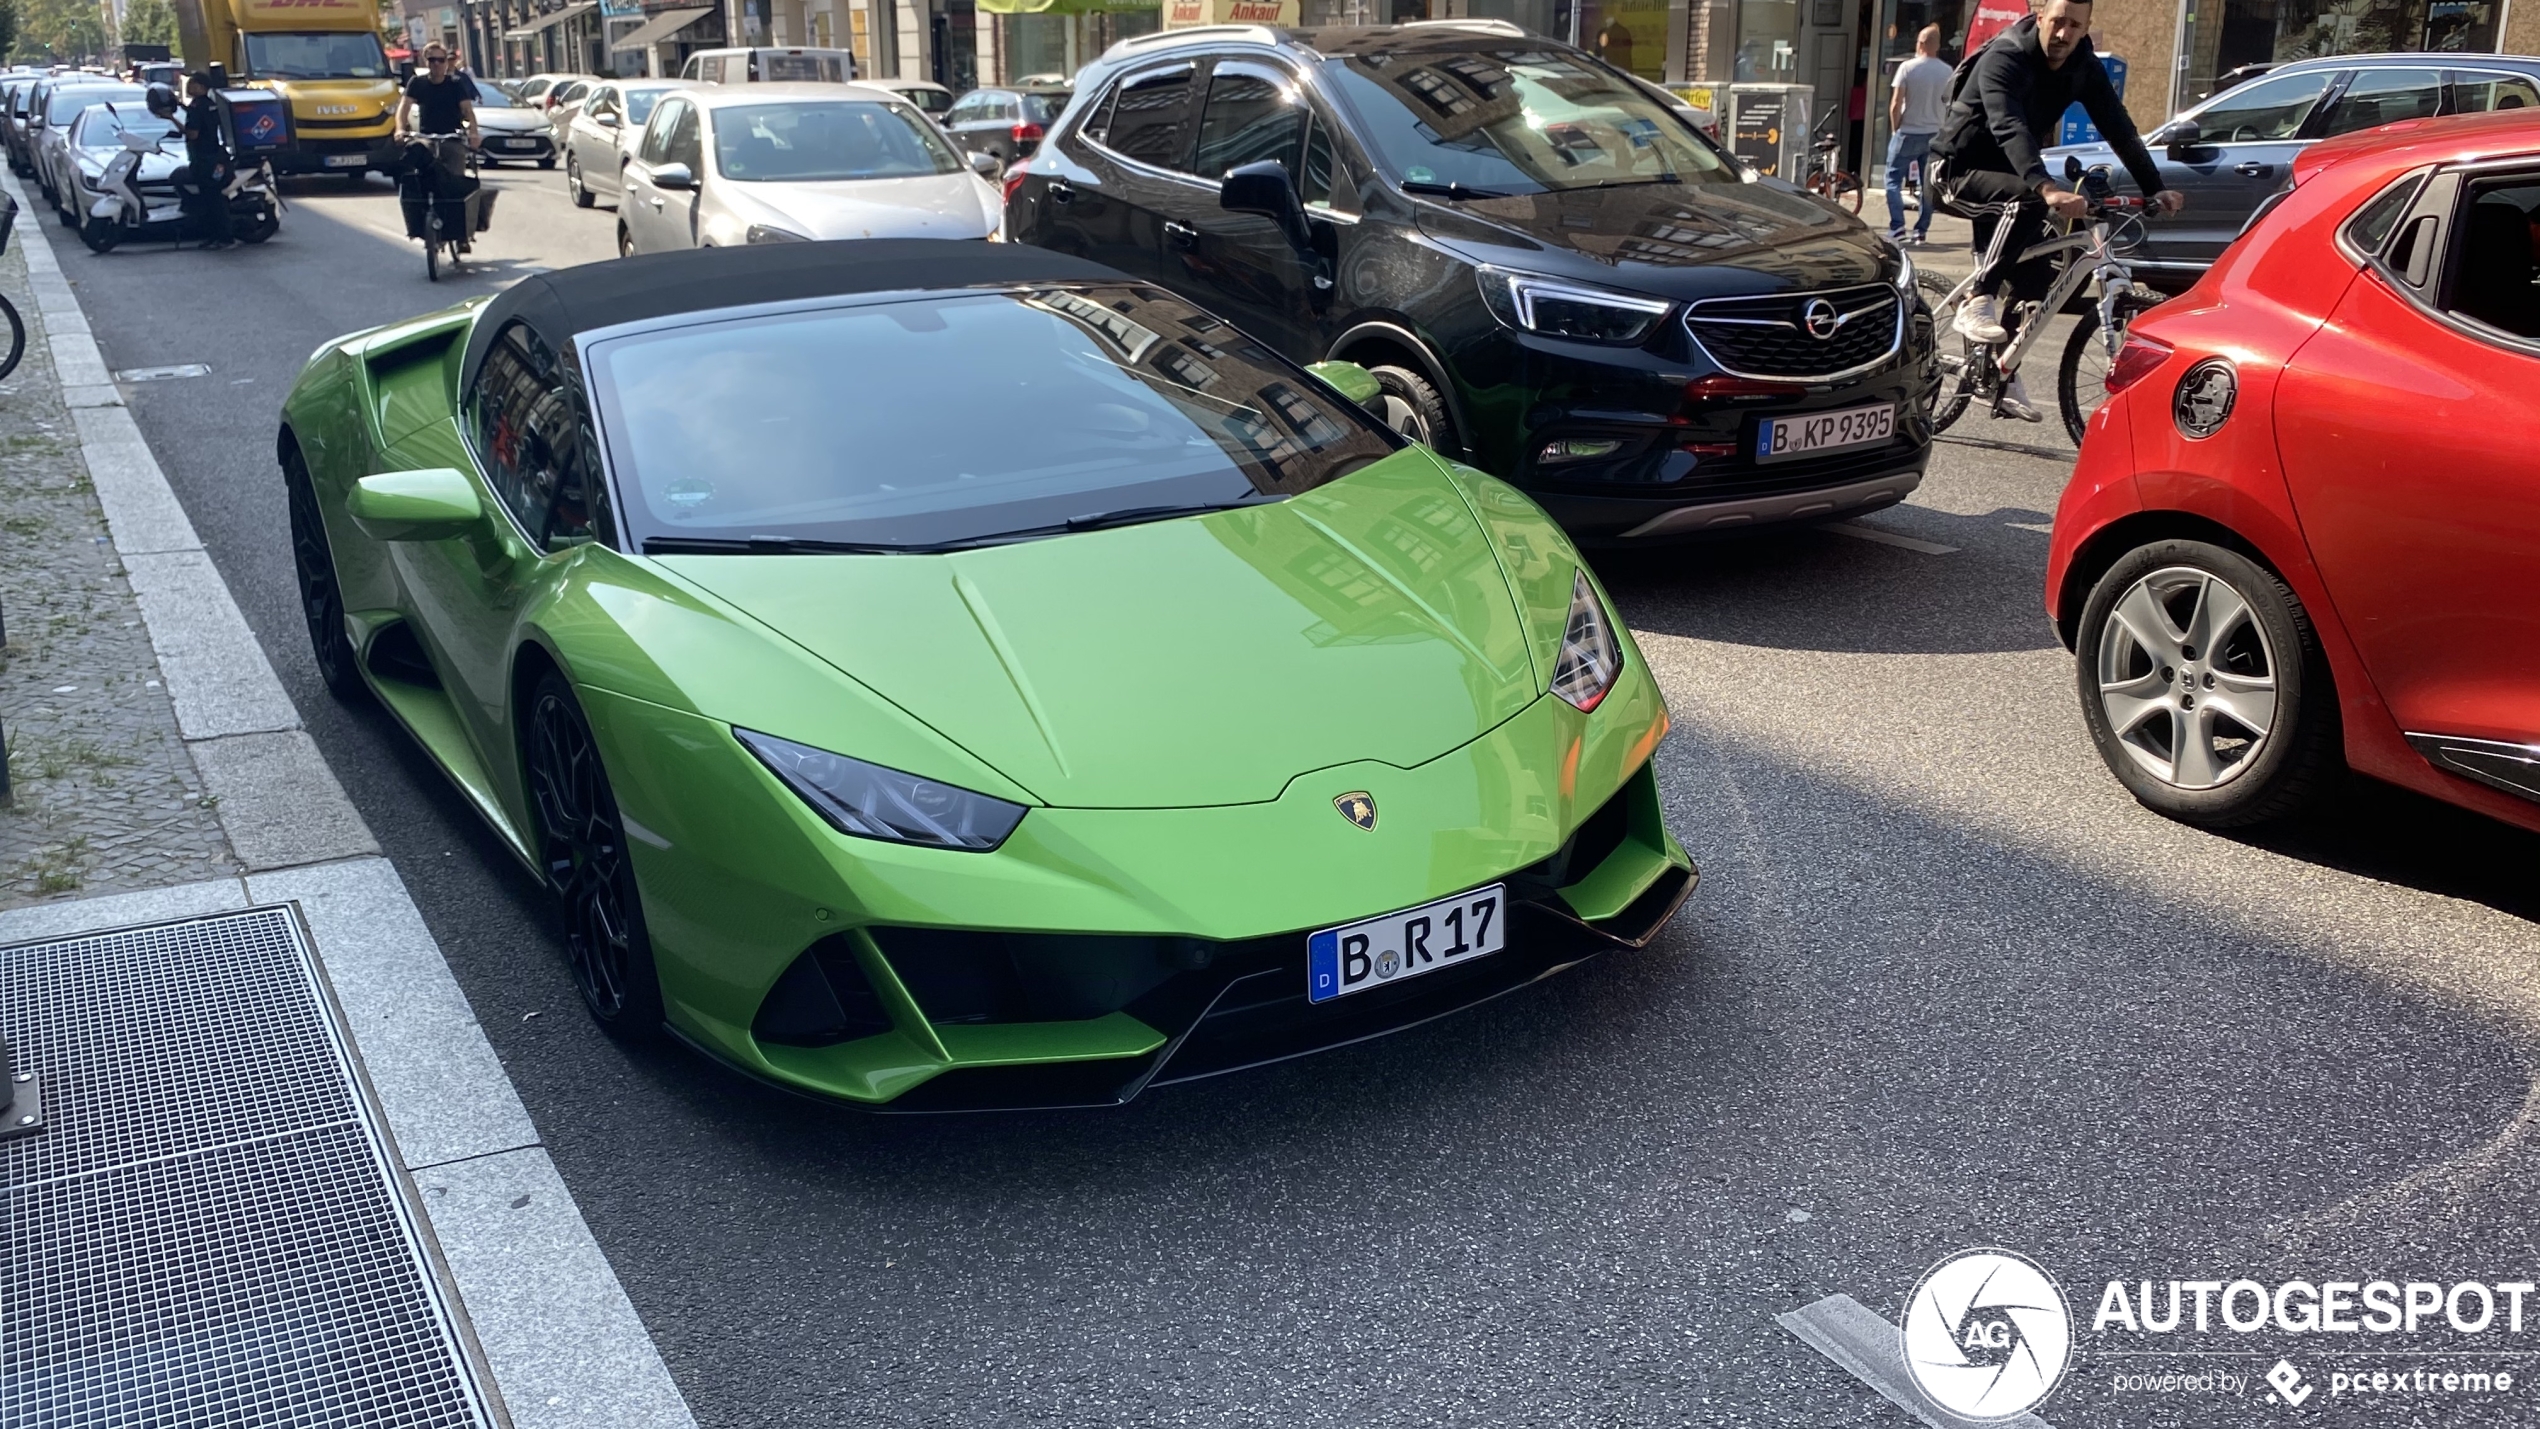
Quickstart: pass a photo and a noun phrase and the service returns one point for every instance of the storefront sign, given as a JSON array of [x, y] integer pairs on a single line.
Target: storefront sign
[[1766, 124], [1992, 17], [1180, 13]]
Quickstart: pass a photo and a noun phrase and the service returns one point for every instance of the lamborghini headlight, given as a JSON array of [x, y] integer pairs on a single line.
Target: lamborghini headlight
[[1591, 657], [872, 802], [1553, 307]]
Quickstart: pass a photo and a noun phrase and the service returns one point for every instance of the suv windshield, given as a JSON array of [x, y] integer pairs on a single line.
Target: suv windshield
[[827, 140], [1517, 119], [340, 55], [840, 424]]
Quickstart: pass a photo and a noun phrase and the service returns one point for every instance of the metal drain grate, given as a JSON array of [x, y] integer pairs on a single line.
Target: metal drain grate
[[213, 1232]]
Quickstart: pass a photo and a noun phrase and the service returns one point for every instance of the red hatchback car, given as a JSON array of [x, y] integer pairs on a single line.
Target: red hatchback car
[[2306, 525]]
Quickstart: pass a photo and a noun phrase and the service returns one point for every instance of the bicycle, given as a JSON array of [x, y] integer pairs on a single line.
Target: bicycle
[[14, 346], [1825, 179], [2114, 224], [424, 160]]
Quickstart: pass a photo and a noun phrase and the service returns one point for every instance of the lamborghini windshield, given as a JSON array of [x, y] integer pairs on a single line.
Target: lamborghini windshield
[[1517, 120], [956, 419]]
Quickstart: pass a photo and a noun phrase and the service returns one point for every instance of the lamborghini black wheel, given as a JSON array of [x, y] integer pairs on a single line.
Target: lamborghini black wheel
[[582, 854], [321, 599]]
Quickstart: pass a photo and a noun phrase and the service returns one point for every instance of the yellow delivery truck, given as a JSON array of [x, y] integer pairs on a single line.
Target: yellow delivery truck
[[324, 56]]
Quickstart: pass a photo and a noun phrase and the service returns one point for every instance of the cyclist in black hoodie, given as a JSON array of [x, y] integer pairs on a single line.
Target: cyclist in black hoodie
[[2003, 109]]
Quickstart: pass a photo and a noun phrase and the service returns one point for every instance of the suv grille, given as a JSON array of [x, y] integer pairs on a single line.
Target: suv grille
[[1771, 337]]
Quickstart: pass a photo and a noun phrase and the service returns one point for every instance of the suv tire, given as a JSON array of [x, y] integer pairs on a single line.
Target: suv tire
[[1413, 407]]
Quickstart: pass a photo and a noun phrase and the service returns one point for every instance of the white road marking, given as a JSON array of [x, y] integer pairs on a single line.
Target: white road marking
[[1873, 1351], [1860, 532]]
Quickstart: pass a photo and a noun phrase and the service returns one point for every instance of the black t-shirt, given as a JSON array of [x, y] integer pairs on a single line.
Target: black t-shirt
[[202, 132], [437, 105]]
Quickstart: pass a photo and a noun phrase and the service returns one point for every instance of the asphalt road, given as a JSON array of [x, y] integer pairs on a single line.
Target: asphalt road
[[1944, 985]]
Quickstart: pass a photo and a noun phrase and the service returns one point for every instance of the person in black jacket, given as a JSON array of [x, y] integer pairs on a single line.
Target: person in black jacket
[[205, 187], [1987, 166]]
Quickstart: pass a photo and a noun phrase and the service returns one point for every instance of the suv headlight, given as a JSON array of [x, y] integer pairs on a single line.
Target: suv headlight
[[770, 233], [1591, 658], [1554, 307], [872, 802], [1904, 273]]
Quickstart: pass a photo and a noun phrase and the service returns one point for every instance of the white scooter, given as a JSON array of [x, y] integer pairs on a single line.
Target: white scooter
[[138, 193]]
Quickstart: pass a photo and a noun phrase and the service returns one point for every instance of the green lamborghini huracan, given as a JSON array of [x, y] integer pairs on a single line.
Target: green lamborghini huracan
[[943, 675]]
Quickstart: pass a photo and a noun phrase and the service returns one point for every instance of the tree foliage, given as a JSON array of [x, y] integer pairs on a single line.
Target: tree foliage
[[149, 22], [62, 29]]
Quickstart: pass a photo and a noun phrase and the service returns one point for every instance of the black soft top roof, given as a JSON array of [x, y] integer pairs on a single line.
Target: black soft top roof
[[570, 301]]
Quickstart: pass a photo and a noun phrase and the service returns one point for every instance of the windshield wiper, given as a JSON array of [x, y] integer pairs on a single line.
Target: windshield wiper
[[1103, 520], [772, 546], [1453, 191], [1631, 183]]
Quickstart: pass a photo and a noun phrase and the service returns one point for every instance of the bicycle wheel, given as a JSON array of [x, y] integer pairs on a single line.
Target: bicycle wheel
[[1847, 190], [13, 343], [1957, 381], [2081, 381]]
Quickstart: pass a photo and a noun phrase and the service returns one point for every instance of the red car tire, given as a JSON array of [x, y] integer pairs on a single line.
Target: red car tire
[[2205, 688]]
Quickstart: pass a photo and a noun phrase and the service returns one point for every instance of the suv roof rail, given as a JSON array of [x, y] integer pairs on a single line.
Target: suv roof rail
[[1484, 26], [1168, 39]]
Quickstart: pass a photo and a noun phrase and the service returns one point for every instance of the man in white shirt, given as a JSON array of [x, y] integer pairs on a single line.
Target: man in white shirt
[[1914, 108]]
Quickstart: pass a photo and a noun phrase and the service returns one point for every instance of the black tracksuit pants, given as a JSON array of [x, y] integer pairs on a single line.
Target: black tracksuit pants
[[2010, 219]]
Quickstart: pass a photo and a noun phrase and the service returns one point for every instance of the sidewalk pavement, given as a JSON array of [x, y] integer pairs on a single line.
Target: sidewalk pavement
[[162, 773]]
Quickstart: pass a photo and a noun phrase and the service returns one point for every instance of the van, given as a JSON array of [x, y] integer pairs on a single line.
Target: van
[[768, 66]]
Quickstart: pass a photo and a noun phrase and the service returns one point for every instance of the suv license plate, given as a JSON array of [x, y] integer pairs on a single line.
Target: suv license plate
[[1387, 949], [1787, 437]]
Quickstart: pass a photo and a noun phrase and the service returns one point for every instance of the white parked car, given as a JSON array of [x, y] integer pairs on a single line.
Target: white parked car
[[776, 163], [603, 136], [511, 131]]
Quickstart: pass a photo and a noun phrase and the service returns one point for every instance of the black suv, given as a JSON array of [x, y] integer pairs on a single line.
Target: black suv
[[1552, 274]]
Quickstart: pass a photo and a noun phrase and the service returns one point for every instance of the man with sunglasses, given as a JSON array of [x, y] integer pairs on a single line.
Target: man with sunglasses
[[441, 100]]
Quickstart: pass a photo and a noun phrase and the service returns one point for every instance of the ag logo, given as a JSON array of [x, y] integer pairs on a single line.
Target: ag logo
[[1359, 807], [1987, 1334]]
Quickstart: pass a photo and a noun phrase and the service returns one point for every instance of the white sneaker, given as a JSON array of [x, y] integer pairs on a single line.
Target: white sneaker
[[2014, 402], [1980, 320]]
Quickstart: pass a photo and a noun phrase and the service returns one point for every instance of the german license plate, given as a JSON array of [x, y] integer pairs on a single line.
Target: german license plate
[[1387, 949], [520, 143], [346, 161], [1779, 439]]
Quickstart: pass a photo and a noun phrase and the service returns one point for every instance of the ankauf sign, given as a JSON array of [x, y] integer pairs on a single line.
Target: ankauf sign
[[1180, 13]]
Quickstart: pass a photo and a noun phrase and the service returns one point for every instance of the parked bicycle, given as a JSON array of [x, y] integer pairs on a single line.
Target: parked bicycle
[[2093, 252], [1827, 178], [13, 341]]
